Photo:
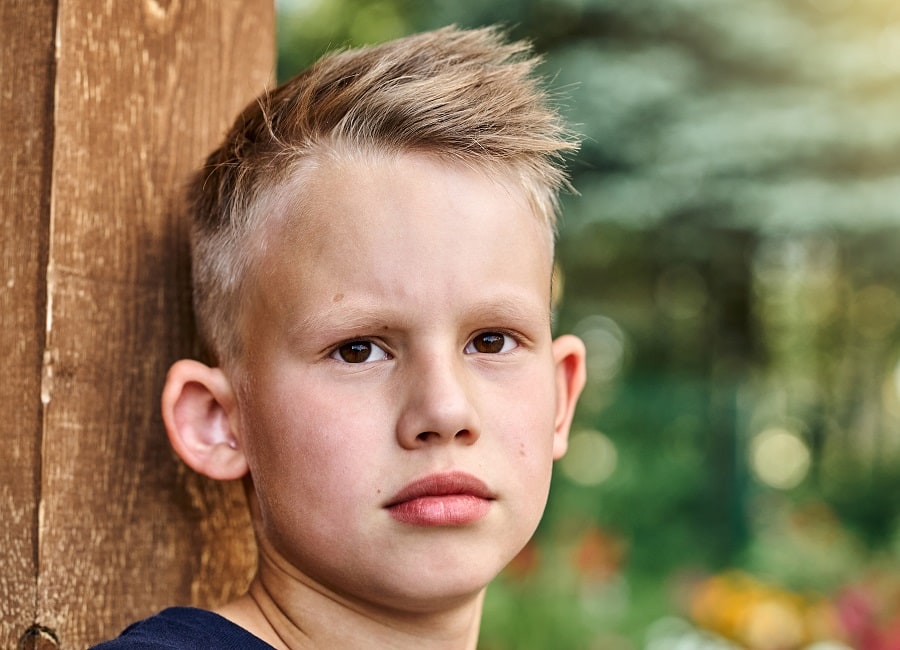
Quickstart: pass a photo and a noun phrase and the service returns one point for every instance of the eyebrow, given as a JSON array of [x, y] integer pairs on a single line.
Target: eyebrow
[[340, 318], [510, 309], [358, 315]]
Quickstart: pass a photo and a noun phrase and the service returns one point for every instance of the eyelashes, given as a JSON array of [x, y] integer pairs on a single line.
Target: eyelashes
[[360, 351], [491, 343], [363, 350]]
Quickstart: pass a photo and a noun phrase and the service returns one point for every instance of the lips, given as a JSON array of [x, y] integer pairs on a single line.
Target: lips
[[451, 499]]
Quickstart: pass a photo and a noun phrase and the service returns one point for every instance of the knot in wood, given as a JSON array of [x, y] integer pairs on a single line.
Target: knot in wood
[[38, 637]]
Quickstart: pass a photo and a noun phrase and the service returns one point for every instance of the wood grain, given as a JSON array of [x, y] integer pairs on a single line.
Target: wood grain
[[26, 140], [143, 90]]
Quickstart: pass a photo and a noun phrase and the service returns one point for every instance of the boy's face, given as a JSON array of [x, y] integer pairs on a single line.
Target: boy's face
[[400, 399]]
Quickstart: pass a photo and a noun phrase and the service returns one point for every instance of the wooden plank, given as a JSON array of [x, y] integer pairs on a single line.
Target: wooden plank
[[26, 68], [144, 89]]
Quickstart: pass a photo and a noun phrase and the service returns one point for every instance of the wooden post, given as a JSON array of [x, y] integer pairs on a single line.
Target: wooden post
[[26, 68], [105, 107]]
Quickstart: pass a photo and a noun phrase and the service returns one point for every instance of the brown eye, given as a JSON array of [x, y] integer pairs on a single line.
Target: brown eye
[[359, 352], [490, 343]]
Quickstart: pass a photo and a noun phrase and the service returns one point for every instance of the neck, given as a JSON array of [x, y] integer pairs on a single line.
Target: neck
[[296, 614]]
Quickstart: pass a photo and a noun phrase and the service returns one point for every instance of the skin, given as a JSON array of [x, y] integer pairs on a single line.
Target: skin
[[398, 330]]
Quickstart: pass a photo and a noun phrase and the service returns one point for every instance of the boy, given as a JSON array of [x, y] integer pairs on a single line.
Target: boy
[[372, 248]]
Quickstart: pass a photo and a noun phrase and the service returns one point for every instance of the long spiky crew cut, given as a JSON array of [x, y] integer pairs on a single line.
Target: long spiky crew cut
[[464, 96]]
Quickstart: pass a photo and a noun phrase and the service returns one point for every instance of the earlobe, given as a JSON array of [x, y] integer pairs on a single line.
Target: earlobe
[[198, 408], [569, 357]]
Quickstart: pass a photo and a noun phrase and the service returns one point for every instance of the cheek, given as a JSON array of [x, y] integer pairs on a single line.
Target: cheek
[[530, 406], [303, 448], [526, 423]]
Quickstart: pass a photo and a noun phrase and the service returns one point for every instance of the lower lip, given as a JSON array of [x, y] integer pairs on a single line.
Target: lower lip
[[445, 510]]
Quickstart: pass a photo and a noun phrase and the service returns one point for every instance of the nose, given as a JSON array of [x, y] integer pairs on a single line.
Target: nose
[[437, 405]]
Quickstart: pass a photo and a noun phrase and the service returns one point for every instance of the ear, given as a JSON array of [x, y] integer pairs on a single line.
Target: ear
[[569, 358], [199, 410]]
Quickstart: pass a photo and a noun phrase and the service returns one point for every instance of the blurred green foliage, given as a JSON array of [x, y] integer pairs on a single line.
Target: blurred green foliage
[[731, 262]]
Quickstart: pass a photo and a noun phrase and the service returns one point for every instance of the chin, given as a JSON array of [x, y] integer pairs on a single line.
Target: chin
[[444, 584], [436, 598]]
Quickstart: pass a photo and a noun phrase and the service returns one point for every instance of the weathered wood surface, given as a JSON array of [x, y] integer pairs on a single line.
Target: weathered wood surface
[[141, 91], [26, 95]]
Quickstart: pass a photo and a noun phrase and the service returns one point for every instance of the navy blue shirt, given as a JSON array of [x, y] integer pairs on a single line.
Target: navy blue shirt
[[185, 628]]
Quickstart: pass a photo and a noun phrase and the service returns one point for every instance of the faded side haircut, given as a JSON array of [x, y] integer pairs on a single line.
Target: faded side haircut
[[461, 95]]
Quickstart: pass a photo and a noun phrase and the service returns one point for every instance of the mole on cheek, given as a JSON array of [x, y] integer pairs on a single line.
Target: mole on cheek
[[337, 297]]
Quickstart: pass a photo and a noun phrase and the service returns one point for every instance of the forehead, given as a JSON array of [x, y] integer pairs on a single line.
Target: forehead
[[402, 194], [335, 194], [337, 174], [406, 231]]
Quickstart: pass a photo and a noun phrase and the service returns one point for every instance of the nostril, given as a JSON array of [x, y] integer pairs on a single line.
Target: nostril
[[427, 436]]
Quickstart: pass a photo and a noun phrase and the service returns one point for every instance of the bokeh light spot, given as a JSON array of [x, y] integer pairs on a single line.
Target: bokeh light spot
[[605, 345], [779, 458], [591, 458]]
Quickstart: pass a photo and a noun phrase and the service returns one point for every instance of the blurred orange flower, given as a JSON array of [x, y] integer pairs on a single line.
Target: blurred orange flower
[[598, 556]]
